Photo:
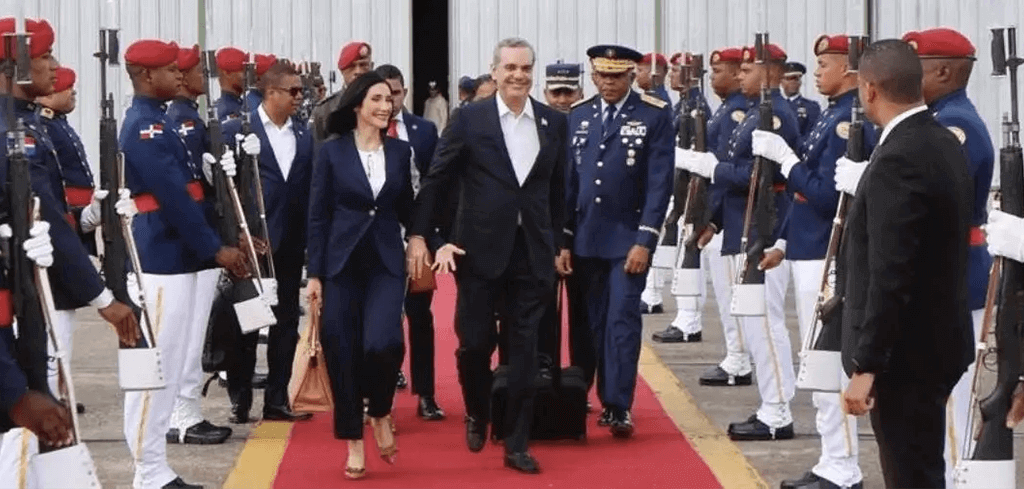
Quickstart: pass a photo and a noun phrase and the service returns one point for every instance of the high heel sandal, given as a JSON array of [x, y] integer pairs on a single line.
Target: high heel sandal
[[390, 452], [355, 472]]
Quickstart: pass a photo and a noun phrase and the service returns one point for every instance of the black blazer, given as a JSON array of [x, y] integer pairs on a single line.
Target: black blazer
[[903, 263], [472, 157]]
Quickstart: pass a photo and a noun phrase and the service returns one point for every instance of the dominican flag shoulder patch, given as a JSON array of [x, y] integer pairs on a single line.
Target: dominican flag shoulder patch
[[152, 131], [30, 143]]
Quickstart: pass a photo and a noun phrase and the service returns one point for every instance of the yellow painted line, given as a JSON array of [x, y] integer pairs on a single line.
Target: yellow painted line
[[257, 465], [725, 459]]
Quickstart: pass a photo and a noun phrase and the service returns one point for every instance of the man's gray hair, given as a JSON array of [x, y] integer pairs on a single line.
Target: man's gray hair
[[512, 42]]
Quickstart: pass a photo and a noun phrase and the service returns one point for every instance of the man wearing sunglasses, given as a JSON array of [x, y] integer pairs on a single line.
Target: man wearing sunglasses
[[285, 163]]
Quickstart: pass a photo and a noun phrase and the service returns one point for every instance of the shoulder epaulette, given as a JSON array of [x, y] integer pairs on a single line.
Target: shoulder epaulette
[[653, 101], [584, 101]]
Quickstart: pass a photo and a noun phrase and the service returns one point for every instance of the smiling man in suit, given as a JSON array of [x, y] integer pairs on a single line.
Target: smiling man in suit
[[285, 164], [907, 331], [508, 153], [421, 134]]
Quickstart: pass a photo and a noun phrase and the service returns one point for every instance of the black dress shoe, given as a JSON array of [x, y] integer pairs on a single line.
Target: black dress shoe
[[282, 413], [522, 462], [717, 376], [259, 381], [177, 483], [202, 433], [755, 430], [646, 308], [238, 415], [80, 408], [622, 423], [476, 434], [606, 417], [810, 480], [674, 335], [402, 383], [429, 410]]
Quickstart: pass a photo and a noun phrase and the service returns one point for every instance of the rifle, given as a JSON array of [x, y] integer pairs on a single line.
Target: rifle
[[308, 73], [748, 295], [687, 280], [250, 183], [684, 140], [30, 344], [139, 366], [991, 464], [820, 362]]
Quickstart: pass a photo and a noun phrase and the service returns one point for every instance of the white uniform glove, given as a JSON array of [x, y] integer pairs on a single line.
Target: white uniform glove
[[250, 144], [697, 162], [92, 214], [227, 163], [848, 174], [1005, 235], [772, 146], [37, 247], [125, 205]]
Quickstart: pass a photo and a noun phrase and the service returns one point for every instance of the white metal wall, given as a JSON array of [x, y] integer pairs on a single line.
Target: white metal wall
[[298, 29]]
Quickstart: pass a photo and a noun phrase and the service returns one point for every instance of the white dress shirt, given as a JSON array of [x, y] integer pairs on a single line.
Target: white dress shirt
[[375, 168], [281, 139], [403, 134], [898, 119], [521, 137]]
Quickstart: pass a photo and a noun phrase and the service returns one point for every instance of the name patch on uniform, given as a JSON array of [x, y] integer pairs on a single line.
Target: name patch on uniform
[[843, 130], [959, 133], [738, 115], [633, 129], [152, 131]]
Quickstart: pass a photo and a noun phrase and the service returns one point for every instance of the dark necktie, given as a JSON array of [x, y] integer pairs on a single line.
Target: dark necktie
[[609, 116]]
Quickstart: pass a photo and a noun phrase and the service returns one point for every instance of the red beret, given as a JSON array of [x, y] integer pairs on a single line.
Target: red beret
[[41, 37], [646, 60], [940, 43], [775, 53], [675, 59], [230, 60], [65, 79], [727, 55], [151, 53], [839, 44], [188, 58], [264, 62], [351, 52]]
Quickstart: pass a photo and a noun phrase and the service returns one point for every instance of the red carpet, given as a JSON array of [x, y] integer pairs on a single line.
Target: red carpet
[[434, 454]]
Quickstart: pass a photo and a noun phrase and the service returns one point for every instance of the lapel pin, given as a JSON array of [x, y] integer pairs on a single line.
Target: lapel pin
[[414, 127], [543, 122]]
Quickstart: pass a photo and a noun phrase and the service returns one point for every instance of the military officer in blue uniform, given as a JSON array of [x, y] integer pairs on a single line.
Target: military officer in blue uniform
[[174, 241], [619, 185], [768, 345], [231, 76], [807, 111], [810, 175], [947, 58], [562, 86]]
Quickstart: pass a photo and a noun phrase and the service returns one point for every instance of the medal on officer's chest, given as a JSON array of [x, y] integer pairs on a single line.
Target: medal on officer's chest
[[630, 157], [636, 130]]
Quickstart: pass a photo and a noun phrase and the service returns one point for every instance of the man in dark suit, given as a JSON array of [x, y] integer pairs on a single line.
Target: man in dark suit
[[508, 152], [285, 152], [906, 326], [421, 134]]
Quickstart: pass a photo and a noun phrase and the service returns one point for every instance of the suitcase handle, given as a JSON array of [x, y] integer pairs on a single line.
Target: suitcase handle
[[556, 374]]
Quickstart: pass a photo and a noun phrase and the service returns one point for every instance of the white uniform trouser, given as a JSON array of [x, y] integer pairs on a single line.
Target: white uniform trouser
[[171, 302], [838, 460], [188, 409], [653, 286], [689, 309], [64, 327], [723, 274], [957, 407], [768, 341], [16, 455]]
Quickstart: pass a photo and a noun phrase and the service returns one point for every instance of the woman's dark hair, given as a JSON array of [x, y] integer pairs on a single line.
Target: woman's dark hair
[[343, 120]]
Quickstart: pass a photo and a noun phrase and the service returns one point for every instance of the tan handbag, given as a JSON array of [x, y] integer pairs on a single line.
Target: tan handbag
[[310, 388], [426, 283]]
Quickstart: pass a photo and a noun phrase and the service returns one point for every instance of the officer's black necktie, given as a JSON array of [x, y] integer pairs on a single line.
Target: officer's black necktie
[[609, 116]]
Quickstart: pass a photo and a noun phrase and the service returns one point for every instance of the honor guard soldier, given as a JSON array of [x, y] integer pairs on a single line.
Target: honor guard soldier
[[174, 242], [619, 184], [562, 86], [354, 59], [263, 63], [650, 75], [231, 75], [810, 175], [947, 58], [807, 111], [769, 345]]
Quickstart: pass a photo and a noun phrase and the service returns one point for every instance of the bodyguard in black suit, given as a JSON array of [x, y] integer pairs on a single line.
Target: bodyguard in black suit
[[906, 326], [510, 204]]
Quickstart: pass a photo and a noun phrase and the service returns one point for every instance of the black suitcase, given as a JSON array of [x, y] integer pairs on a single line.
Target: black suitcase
[[560, 407]]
